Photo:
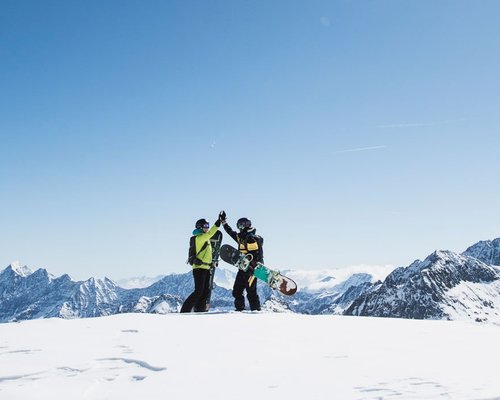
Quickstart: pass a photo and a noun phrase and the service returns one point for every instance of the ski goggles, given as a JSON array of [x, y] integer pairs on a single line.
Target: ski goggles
[[243, 225], [206, 226]]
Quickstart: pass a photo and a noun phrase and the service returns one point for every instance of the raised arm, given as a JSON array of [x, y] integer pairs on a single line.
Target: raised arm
[[230, 232]]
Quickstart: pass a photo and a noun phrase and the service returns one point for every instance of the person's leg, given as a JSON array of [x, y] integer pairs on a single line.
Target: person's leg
[[252, 296], [201, 304], [238, 288], [194, 297]]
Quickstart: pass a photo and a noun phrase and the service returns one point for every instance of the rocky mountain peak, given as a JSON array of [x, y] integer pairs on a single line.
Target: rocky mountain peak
[[20, 270], [445, 285], [487, 251]]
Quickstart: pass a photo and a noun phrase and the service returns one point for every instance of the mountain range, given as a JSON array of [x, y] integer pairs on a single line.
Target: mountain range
[[445, 285]]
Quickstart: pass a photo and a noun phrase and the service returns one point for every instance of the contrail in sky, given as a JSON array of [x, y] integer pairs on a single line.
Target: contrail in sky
[[404, 125], [426, 124], [360, 149]]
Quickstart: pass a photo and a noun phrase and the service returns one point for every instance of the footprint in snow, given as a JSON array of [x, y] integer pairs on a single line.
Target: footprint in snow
[[23, 351], [139, 363], [71, 371], [29, 377]]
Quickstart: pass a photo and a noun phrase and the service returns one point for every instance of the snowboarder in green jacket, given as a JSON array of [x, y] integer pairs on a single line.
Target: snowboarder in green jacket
[[200, 258]]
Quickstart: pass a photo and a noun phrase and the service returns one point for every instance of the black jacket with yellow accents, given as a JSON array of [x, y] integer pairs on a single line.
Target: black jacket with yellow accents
[[248, 242]]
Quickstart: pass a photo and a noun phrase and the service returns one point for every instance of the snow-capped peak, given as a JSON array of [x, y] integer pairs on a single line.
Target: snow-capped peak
[[487, 251], [21, 270]]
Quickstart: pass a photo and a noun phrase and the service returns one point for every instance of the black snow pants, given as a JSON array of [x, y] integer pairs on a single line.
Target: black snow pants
[[198, 299], [241, 284]]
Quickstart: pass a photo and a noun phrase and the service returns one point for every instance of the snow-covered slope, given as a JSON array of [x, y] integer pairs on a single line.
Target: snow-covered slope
[[246, 357], [443, 286]]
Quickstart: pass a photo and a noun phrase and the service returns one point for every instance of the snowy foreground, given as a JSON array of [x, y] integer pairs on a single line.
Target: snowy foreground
[[248, 356]]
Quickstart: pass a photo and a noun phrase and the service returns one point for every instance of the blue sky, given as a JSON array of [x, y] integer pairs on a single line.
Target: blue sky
[[350, 132]]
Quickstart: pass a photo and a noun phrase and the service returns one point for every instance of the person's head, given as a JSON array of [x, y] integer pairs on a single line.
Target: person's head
[[244, 224], [202, 224]]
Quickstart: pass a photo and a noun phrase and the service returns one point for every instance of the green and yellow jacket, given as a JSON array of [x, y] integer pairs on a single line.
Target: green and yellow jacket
[[201, 238]]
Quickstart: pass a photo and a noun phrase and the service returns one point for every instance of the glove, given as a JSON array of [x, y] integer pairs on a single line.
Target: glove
[[222, 216]]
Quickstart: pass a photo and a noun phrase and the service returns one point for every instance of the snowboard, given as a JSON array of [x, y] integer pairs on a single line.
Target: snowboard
[[215, 241], [273, 278]]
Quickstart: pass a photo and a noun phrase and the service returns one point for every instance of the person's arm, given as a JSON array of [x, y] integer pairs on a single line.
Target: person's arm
[[230, 232]]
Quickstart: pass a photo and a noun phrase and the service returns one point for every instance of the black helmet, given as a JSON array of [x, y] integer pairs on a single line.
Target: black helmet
[[243, 223], [202, 223]]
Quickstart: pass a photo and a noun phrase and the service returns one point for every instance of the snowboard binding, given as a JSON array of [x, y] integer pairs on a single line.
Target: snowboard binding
[[274, 280], [244, 261]]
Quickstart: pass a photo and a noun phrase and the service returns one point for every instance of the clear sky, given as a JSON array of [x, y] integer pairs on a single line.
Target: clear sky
[[349, 132]]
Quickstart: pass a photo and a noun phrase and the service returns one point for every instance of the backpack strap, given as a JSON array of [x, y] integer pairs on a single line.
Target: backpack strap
[[192, 245], [202, 247]]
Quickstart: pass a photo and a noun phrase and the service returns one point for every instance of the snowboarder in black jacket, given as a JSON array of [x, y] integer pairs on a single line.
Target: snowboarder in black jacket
[[248, 242]]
